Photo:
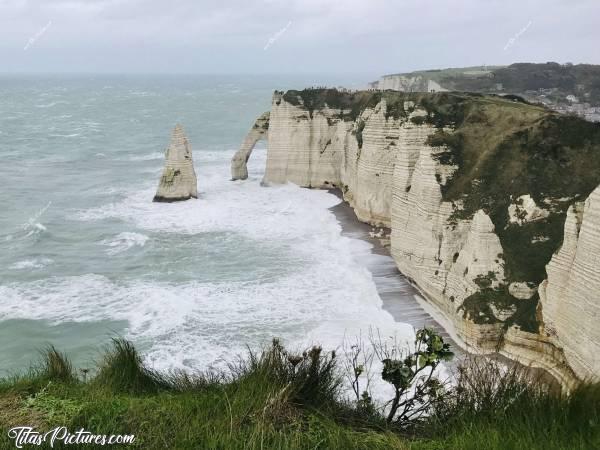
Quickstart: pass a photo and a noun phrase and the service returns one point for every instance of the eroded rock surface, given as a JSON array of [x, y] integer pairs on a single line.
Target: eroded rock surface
[[259, 131], [473, 241], [525, 210], [178, 180], [570, 296]]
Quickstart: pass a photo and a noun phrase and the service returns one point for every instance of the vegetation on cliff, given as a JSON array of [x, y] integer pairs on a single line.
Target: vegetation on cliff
[[351, 103], [502, 148], [278, 399], [521, 77]]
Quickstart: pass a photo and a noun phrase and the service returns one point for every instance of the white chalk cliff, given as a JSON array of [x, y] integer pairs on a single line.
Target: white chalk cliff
[[239, 169], [322, 152], [391, 176], [178, 180], [569, 297], [407, 83]]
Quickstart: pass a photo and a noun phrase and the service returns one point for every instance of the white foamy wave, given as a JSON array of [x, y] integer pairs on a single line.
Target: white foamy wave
[[36, 263], [123, 242], [197, 325], [285, 212], [193, 325]]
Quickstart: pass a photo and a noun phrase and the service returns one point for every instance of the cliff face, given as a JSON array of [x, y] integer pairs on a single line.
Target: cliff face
[[178, 180], [408, 83], [570, 296], [475, 190], [324, 149]]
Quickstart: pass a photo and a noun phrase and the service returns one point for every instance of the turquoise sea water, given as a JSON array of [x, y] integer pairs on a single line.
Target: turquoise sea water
[[85, 255]]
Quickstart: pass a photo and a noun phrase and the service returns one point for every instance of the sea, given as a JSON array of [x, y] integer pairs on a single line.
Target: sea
[[86, 256]]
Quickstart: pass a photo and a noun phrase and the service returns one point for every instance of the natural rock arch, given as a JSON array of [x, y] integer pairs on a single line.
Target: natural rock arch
[[258, 132]]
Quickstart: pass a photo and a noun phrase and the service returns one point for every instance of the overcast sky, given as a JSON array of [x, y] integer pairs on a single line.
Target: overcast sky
[[300, 36]]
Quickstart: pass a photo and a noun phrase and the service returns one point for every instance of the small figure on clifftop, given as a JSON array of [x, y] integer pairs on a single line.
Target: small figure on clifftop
[[178, 181]]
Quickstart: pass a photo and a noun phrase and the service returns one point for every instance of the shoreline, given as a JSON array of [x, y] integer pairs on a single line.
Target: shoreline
[[399, 297], [403, 301]]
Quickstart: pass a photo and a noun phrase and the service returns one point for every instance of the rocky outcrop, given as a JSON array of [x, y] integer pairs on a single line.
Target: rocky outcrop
[[178, 180], [443, 259], [322, 150], [304, 150], [522, 291], [525, 210], [458, 232], [239, 169], [538, 351], [569, 298]]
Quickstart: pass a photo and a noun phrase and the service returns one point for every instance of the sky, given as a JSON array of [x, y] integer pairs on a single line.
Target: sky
[[373, 37]]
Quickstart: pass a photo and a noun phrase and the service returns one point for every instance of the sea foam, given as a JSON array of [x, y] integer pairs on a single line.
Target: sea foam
[[327, 296], [123, 242]]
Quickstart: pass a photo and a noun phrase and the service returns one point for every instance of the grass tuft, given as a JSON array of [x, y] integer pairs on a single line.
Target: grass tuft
[[278, 399], [56, 366], [522, 409], [123, 371], [309, 378]]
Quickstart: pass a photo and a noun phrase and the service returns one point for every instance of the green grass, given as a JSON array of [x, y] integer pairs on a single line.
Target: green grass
[[121, 370], [55, 366], [508, 409], [278, 400]]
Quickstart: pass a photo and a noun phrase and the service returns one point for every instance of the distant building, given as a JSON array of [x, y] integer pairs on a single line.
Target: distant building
[[572, 98]]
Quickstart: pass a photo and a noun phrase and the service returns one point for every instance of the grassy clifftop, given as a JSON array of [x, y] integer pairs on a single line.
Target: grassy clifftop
[[268, 402], [503, 148], [579, 79]]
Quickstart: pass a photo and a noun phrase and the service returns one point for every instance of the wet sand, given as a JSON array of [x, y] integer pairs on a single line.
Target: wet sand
[[398, 295]]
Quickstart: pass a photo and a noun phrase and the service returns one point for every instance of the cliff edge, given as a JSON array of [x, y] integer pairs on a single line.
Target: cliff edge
[[480, 192]]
